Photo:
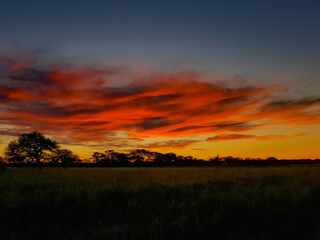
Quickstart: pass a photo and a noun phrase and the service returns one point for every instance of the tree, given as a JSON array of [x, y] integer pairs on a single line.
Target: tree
[[136, 156], [15, 153], [157, 157], [2, 163], [170, 157], [116, 157], [64, 156], [30, 146], [122, 158], [100, 158], [272, 159], [110, 157], [140, 155], [215, 160]]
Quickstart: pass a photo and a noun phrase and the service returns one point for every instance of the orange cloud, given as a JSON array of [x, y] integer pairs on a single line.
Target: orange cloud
[[226, 137], [86, 104], [180, 143]]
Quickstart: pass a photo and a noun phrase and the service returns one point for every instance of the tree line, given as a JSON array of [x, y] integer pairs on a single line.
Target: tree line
[[34, 149]]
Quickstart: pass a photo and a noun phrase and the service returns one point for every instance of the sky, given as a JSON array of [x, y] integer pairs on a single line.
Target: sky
[[196, 78]]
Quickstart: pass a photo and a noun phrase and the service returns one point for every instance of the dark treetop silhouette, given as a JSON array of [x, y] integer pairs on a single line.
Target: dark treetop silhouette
[[36, 148], [30, 146], [64, 156]]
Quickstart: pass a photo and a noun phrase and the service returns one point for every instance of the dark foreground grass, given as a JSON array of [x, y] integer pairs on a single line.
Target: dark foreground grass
[[163, 203]]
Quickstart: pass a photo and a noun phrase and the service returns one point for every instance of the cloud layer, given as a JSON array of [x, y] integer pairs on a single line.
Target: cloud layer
[[89, 103]]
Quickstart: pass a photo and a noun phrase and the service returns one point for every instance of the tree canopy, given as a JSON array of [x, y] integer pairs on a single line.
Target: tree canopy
[[64, 156], [34, 147], [30, 146]]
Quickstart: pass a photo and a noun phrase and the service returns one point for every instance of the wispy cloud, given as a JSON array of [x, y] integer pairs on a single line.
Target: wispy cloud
[[181, 143], [226, 137], [85, 104]]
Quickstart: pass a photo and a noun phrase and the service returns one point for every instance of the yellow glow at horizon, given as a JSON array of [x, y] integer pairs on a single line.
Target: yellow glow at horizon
[[306, 146]]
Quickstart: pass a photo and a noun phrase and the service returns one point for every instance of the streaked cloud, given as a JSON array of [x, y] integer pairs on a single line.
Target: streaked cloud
[[226, 137], [180, 143], [86, 104]]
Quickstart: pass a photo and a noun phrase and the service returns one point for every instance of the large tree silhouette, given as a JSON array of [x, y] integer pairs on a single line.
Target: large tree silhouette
[[30, 146]]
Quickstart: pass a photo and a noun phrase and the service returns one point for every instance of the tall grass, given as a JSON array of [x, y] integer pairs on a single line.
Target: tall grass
[[160, 203]]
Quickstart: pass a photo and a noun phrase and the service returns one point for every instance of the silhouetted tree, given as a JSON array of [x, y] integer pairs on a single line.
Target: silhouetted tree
[[137, 156], [100, 158], [14, 153], [122, 158], [170, 157], [158, 158], [31, 146], [2, 163], [112, 156], [272, 159], [141, 155], [65, 157], [188, 159], [215, 160]]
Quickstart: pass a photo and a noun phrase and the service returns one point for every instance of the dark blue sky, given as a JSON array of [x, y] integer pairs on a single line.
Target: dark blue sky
[[246, 38]]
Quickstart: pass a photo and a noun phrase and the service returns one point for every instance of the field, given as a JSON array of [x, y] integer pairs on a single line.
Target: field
[[160, 203]]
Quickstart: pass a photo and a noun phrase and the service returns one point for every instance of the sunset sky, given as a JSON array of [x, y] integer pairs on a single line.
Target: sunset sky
[[199, 78]]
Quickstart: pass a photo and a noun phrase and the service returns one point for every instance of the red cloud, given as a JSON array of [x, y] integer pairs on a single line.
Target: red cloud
[[86, 104]]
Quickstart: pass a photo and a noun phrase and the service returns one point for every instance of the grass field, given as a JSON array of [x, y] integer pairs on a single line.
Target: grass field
[[160, 203]]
